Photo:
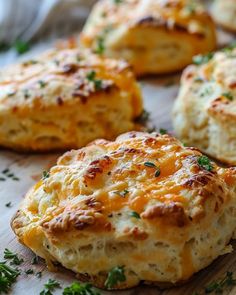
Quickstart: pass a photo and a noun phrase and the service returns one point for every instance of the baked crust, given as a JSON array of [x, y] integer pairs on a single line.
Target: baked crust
[[155, 37], [66, 98], [82, 214], [224, 13], [205, 110]]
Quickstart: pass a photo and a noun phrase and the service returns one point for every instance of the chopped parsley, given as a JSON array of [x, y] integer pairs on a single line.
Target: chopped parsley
[[122, 193], [21, 47], [205, 163], [218, 286], [135, 214], [50, 286], [118, 1], [8, 205], [42, 84], [115, 276], [91, 76], [7, 173], [202, 59], [29, 271], [228, 95], [46, 174], [100, 47], [13, 257], [152, 165], [80, 289], [163, 131], [38, 274], [8, 276], [35, 260]]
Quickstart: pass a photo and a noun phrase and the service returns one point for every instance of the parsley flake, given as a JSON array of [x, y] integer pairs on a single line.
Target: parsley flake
[[46, 174], [100, 47], [205, 163], [135, 215], [163, 131], [13, 257], [218, 286], [50, 286], [202, 59], [21, 47], [91, 76], [228, 95], [80, 289], [8, 276], [8, 205], [115, 276]]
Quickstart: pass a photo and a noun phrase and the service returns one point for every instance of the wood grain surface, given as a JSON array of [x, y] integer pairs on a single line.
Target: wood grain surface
[[159, 94]]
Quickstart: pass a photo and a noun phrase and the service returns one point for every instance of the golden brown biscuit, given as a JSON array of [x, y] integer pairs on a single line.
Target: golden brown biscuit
[[154, 36], [224, 13], [205, 110], [64, 99], [141, 208]]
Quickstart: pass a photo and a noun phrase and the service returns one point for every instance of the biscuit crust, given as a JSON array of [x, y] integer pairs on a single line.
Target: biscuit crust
[[141, 202], [204, 113], [64, 99], [154, 36]]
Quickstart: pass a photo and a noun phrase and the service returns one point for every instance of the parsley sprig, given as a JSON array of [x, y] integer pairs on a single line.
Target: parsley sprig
[[13, 257], [205, 163], [202, 59], [50, 286], [152, 165], [115, 276], [91, 76], [80, 289], [8, 276]]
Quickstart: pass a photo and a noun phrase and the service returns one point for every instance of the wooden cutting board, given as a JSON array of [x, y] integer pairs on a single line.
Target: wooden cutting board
[[159, 95]]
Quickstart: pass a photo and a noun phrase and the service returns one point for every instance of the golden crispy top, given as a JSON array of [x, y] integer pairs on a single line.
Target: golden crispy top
[[141, 178], [213, 80], [61, 77], [108, 15]]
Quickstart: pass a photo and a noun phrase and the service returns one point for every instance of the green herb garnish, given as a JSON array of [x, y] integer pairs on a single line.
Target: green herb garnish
[[143, 118], [135, 214], [8, 276], [46, 174], [35, 260], [202, 59], [152, 165], [122, 193], [21, 46], [205, 163], [13, 257], [80, 289], [115, 276], [50, 286], [8, 205], [228, 95], [100, 47], [42, 84], [218, 286], [163, 131], [91, 76], [29, 271]]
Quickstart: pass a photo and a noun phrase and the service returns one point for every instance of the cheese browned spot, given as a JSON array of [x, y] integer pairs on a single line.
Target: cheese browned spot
[[103, 207]]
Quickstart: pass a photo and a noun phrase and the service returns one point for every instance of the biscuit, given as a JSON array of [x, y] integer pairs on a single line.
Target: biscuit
[[224, 13], [66, 98], [154, 36], [140, 208], [205, 110]]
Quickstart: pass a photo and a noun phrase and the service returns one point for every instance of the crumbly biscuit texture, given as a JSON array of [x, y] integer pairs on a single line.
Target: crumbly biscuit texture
[[143, 203], [205, 110], [64, 99]]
